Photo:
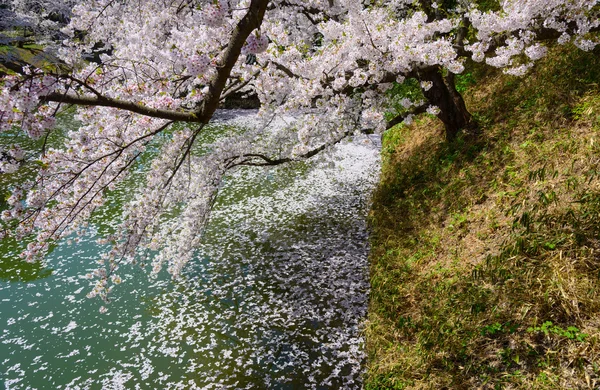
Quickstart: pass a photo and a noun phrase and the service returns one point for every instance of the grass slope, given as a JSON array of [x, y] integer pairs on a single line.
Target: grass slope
[[485, 263]]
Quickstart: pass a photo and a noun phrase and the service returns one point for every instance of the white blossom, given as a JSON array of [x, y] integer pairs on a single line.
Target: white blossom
[[156, 60]]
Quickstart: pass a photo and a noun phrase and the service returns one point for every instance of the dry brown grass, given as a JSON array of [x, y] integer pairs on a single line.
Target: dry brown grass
[[486, 253]]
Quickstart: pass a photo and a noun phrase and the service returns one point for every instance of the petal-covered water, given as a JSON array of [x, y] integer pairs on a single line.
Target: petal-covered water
[[275, 298]]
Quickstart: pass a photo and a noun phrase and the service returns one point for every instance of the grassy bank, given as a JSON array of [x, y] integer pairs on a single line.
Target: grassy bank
[[13, 59], [486, 253]]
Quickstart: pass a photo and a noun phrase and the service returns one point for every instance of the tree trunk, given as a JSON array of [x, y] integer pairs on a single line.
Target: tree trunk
[[443, 94]]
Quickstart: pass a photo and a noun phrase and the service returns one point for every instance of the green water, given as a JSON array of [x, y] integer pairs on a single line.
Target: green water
[[274, 299]]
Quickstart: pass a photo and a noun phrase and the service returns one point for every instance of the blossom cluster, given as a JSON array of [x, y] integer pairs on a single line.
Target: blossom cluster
[[214, 14], [198, 64], [256, 44], [360, 48], [520, 22], [326, 64], [20, 104], [43, 18]]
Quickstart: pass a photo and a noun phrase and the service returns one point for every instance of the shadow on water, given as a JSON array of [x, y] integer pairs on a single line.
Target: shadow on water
[[13, 269], [291, 283]]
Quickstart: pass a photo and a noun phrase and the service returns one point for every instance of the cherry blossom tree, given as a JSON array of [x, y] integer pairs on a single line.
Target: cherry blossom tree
[[326, 63], [42, 19]]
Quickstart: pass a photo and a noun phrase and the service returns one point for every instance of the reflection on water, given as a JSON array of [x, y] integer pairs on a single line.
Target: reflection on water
[[13, 269], [275, 298]]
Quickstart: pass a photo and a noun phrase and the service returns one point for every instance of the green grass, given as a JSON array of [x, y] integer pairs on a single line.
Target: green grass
[[13, 58], [485, 263]]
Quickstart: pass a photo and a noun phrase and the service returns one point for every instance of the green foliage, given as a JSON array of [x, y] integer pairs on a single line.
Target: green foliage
[[391, 138], [410, 89], [14, 58], [464, 81], [548, 328], [497, 329], [488, 5], [587, 109]]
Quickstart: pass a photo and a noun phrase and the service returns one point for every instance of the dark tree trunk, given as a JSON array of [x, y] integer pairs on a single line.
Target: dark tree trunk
[[443, 94]]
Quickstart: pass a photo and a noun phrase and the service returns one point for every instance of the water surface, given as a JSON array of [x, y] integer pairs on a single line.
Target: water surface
[[274, 299]]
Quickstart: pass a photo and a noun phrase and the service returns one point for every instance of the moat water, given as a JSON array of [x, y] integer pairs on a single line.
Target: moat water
[[275, 298]]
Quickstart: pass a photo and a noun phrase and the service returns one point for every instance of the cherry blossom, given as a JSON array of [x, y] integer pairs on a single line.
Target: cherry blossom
[[41, 18], [162, 68]]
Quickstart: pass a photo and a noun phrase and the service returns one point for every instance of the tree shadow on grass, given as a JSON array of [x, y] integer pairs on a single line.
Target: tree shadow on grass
[[441, 319]]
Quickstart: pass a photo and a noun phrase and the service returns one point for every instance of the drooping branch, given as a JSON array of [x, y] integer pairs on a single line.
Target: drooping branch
[[542, 34], [250, 159], [288, 72], [239, 86]]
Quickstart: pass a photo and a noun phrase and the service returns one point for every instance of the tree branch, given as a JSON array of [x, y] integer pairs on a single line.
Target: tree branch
[[245, 26], [103, 101], [249, 158], [252, 20], [400, 118]]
